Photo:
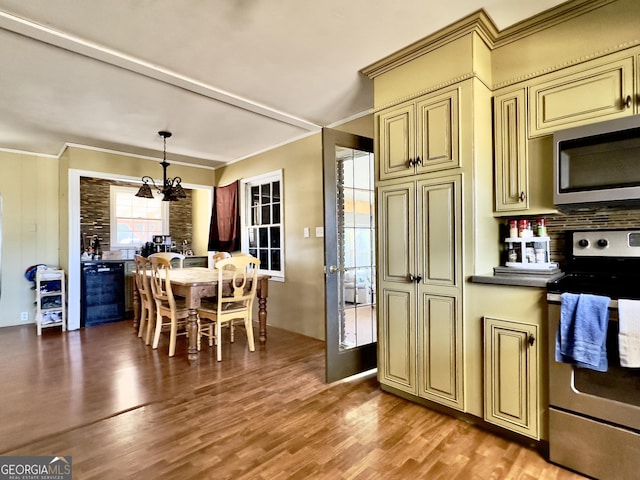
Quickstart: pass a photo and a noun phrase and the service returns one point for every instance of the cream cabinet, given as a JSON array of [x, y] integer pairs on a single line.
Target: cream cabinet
[[511, 158], [511, 376], [420, 322], [594, 91], [419, 136]]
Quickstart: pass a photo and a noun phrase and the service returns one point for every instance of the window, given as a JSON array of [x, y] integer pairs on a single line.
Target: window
[[135, 220], [262, 221]]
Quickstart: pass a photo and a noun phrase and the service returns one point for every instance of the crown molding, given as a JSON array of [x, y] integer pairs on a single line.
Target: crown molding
[[481, 24], [478, 22], [548, 19]]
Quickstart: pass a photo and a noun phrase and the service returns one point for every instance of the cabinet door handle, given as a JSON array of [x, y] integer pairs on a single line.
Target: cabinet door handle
[[411, 163], [418, 161], [626, 103], [415, 278], [522, 196], [531, 340]]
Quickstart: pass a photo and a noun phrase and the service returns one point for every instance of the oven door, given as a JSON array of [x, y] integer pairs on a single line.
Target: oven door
[[594, 417], [612, 396]]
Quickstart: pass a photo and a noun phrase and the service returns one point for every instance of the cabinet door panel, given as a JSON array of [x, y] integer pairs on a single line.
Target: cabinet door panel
[[396, 137], [583, 97], [511, 380], [439, 214], [440, 350], [396, 210], [397, 359], [437, 132], [511, 161]]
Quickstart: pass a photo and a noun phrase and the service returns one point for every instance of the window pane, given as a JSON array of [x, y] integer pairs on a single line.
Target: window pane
[[253, 239], [275, 191], [266, 215], [266, 193], [275, 208], [363, 252], [275, 260], [264, 259], [275, 237], [263, 239]]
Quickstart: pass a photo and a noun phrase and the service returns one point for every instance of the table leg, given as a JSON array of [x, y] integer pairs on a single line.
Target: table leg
[[192, 331], [262, 293]]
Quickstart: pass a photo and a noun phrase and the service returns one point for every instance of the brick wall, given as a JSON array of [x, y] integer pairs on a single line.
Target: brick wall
[[95, 213]]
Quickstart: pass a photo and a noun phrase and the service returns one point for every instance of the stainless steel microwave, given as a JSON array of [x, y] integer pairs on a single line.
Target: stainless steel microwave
[[597, 165]]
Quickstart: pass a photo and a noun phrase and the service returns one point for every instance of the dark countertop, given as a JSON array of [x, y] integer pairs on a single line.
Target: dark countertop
[[521, 280]]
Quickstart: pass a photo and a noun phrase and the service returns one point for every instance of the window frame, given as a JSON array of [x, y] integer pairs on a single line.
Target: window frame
[[113, 190], [245, 216]]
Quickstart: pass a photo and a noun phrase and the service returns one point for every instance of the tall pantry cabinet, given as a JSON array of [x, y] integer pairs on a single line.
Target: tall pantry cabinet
[[431, 152]]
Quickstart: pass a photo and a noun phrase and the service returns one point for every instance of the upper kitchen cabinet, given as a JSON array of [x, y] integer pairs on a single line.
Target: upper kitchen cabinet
[[511, 165], [594, 91], [523, 167], [420, 136]]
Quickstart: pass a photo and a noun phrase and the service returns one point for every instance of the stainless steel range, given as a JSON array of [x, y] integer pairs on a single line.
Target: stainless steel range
[[594, 416]]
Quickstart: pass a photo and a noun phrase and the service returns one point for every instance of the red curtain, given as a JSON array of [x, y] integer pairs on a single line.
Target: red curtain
[[224, 232]]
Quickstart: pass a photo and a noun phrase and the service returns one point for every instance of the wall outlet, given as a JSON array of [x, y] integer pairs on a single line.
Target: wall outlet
[[24, 316]]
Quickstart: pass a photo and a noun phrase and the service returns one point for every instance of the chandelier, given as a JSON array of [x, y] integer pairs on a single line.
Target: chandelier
[[171, 190]]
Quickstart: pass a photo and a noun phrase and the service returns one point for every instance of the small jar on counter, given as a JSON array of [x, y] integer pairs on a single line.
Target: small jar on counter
[[542, 227], [513, 228], [524, 228]]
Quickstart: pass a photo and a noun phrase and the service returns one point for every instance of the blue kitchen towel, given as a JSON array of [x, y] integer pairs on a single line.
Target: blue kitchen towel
[[582, 334]]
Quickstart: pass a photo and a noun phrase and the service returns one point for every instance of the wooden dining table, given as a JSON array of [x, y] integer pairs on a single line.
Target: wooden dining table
[[196, 283]]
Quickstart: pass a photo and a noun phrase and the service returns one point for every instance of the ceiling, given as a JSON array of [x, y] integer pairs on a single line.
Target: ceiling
[[229, 78]]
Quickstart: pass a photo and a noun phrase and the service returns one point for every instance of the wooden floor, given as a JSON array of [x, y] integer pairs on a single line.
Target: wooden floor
[[123, 410]]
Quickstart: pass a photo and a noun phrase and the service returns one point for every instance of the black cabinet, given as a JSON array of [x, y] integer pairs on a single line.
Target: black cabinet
[[102, 299]]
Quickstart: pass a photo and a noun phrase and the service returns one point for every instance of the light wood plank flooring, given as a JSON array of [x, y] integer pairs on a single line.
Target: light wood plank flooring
[[123, 410]]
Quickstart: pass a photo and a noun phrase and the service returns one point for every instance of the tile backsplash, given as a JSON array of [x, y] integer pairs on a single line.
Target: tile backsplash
[[595, 219], [95, 216]]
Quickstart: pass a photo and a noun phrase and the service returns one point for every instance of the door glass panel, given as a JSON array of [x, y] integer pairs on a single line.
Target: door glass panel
[[356, 232]]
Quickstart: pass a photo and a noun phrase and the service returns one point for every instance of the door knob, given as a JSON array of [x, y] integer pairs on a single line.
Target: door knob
[[334, 269]]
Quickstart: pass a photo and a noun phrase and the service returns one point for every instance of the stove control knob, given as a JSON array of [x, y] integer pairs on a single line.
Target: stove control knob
[[603, 243], [583, 242]]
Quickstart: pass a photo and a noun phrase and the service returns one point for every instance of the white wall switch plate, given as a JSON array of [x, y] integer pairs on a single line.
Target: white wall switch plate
[[319, 231], [306, 232]]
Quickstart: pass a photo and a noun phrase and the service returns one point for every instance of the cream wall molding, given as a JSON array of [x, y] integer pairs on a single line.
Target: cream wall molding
[[431, 89], [547, 19], [569, 63], [480, 23]]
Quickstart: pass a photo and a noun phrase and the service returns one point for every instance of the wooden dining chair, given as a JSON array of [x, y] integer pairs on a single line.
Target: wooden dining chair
[[237, 284], [218, 256], [146, 298], [170, 256], [166, 305]]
